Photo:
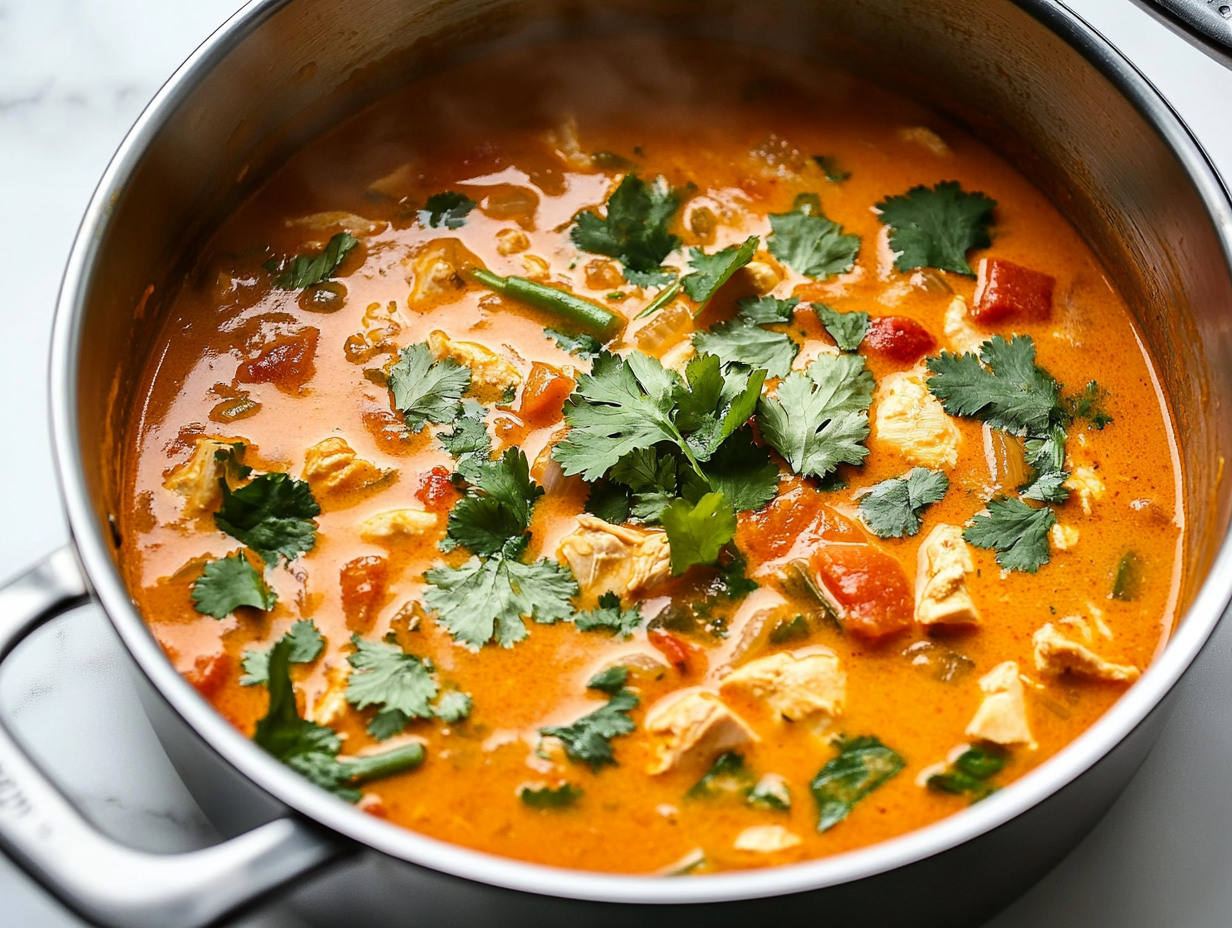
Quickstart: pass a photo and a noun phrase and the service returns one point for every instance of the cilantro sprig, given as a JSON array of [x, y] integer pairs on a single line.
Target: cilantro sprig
[[863, 765], [610, 616], [710, 272], [399, 684], [490, 595], [819, 418], [274, 514], [936, 227], [847, 329], [588, 740], [892, 508], [425, 389], [306, 644], [744, 341], [311, 750], [446, 210], [1016, 531], [229, 583], [697, 532], [302, 271], [809, 243], [634, 229]]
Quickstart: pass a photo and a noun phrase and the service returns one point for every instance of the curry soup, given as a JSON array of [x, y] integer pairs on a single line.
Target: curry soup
[[653, 457]]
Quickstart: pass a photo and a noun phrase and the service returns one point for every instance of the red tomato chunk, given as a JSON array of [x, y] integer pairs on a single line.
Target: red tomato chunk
[[436, 491], [1004, 290], [286, 362], [363, 583], [867, 587], [545, 393], [899, 338]]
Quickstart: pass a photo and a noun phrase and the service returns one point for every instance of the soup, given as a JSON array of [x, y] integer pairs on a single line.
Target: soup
[[653, 457]]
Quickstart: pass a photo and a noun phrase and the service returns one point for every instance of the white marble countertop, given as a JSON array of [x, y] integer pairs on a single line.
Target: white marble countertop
[[73, 77]]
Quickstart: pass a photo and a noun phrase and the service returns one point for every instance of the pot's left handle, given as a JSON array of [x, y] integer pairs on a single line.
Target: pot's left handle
[[104, 881]]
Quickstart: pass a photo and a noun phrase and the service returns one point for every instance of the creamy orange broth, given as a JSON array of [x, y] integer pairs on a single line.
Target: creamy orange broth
[[741, 126]]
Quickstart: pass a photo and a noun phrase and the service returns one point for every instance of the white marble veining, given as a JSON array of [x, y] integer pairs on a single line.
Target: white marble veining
[[74, 74]]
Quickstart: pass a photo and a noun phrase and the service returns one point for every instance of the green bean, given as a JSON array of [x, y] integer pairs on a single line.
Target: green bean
[[582, 312]]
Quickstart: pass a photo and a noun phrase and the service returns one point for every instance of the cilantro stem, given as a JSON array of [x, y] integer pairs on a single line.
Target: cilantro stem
[[666, 295], [590, 316], [375, 766]]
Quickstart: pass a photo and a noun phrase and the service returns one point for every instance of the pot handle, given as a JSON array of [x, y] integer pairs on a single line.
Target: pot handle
[[104, 881]]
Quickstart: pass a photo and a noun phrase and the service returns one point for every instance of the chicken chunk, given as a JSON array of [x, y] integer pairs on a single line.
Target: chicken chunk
[[397, 525], [436, 272], [912, 422], [1056, 654], [959, 329], [331, 466], [333, 220], [1063, 537], [329, 705], [942, 565], [607, 557], [197, 478], [793, 687], [766, 839], [1002, 716], [491, 375], [696, 724], [1086, 485]]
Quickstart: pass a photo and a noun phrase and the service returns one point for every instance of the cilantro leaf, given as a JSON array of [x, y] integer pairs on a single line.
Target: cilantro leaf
[[698, 532], [892, 508], [767, 310], [610, 680], [400, 684], [306, 642], [1016, 531], [655, 478], [499, 508], [609, 501], [809, 243], [829, 164], [862, 765], [727, 776], [847, 329], [468, 441], [937, 227], [446, 210], [710, 272], [588, 739], [550, 797], [742, 471], [610, 617], [1009, 391], [739, 341], [490, 598], [969, 773], [453, 706], [717, 401], [273, 515], [228, 583], [614, 411], [820, 416], [634, 229], [303, 271], [311, 749], [1089, 404], [427, 390], [583, 345]]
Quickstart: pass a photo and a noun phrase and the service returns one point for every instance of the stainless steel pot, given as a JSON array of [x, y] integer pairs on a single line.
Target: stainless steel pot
[[1027, 77]]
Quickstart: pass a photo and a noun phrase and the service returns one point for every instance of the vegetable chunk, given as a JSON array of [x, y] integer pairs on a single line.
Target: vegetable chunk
[[1004, 290], [866, 588]]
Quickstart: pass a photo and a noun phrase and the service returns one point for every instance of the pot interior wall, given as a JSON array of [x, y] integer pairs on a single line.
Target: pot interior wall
[[296, 68]]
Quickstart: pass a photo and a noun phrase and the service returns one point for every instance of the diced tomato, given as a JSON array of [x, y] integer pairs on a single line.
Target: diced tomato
[[1004, 289], [363, 581], [867, 587], [899, 338], [436, 491], [286, 362], [210, 673], [677, 651], [389, 429], [545, 393], [796, 516]]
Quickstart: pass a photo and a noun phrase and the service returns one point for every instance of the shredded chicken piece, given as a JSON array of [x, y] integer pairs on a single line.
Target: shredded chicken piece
[[912, 422], [1056, 654], [491, 375], [330, 704], [397, 525], [1002, 716], [942, 566], [793, 686], [607, 557], [197, 478], [332, 466], [766, 839], [338, 219], [1063, 537], [1086, 485], [925, 138], [694, 723], [959, 328]]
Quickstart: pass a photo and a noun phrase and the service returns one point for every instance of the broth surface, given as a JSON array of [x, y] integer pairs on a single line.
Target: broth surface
[[735, 130]]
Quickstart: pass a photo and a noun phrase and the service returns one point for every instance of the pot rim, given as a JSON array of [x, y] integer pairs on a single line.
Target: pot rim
[[281, 782]]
